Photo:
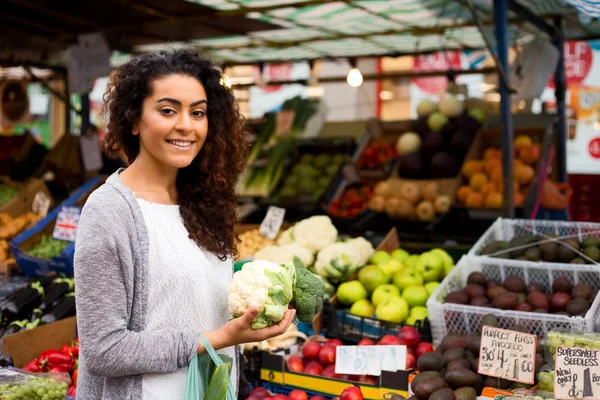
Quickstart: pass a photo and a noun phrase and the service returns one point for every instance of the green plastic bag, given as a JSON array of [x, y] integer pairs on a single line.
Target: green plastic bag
[[210, 374]]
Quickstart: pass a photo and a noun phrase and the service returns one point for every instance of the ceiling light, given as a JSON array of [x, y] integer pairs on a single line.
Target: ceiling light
[[386, 95], [354, 78]]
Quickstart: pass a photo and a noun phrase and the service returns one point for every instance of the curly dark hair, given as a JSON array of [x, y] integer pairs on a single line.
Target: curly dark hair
[[206, 188]]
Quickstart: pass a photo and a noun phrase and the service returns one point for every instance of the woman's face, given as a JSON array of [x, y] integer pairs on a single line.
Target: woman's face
[[173, 125]]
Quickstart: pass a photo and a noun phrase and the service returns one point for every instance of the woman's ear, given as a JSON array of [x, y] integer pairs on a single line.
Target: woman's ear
[[135, 130]]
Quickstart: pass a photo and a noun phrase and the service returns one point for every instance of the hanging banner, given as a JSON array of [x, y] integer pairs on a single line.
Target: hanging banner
[[578, 63], [440, 61]]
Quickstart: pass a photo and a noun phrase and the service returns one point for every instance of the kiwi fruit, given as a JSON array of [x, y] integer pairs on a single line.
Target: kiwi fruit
[[489, 248], [550, 252], [495, 291], [565, 254], [425, 375], [442, 394], [533, 254], [517, 242], [430, 362], [590, 241], [480, 302], [582, 291], [465, 393], [427, 387], [592, 252], [458, 378], [476, 278], [578, 306], [474, 290], [577, 260], [506, 301], [456, 353], [535, 287], [459, 364], [562, 284], [457, 297], [538, 300], [514, 284]]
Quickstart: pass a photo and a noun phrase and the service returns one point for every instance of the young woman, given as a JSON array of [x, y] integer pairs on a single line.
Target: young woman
[[155, 243]]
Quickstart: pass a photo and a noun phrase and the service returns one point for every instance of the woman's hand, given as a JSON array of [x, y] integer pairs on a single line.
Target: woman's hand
[[238, 330]]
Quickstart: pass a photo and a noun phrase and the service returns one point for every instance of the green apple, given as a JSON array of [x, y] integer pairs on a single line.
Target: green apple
[[411, 261], [362, 308], [446, 259], [393, 309], [411, 320], [430, 266], [371, 277], [400, 255], [391, 267], [351, 292], [406, 278], [431, 286], [415, 295], [383, 292], [419, 312], [380, 257]]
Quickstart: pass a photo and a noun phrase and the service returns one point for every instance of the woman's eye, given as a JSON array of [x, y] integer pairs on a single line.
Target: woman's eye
[[167, 111], [199, 113]]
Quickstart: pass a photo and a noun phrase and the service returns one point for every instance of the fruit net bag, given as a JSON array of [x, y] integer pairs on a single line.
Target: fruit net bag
[[18, 384]]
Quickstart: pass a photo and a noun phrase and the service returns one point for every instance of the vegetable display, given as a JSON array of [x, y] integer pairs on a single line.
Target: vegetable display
[[314, 233], [48, 247], [285, 254]]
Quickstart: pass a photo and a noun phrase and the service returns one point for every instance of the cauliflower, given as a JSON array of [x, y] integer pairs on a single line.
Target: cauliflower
[[364, 247], [285, 254], [286, 236], [315, 233], [338, 261], [264, 284]]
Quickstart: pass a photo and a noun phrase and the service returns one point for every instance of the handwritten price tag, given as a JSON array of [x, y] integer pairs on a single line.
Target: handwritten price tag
[[507, 354], [271, 225], [66, 224], [577, 373], [369, 360], [41, 204]]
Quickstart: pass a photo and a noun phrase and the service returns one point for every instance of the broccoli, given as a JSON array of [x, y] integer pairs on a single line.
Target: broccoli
[[308, 293]]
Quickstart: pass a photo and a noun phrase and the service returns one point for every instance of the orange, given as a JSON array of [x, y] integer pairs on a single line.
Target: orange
[[492, 164], [521, 141], [524, 174], [462, 193], [519, 199], [471, 167], [475, 200], [488, 188], [492, 152], [496, 176], [530, 154], [477, 181], [493, 200]]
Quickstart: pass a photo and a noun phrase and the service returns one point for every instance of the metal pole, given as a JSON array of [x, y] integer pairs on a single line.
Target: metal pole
[[85, 112], [561, 113], [501, 22]]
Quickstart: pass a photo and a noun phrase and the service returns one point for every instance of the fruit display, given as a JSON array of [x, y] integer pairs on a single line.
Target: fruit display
[[410, 200], [588, 340], [352, 201], [7, 193], [260, 393], [562, 298], [24, 386], [440, 139], [483, 181], [376, 155], [394, 287], [547, 248]]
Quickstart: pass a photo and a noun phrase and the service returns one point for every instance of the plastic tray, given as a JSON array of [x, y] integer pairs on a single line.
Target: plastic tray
[[448, 317], [506, 229]]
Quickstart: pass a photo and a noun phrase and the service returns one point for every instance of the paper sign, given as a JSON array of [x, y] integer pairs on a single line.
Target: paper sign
[[369, 360], [91, 153], [271, 225], [577, 373], [41, 204], [284, 122], [66, 224], [507, 354]]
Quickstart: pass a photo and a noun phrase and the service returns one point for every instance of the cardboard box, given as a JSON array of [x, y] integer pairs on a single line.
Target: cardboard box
[[22, 203], [274, 369], [25, 346]]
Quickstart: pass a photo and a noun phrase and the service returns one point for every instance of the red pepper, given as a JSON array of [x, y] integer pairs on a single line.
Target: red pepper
[[60, 369], [32, 366], [59, 358], [72, 351], [75, 351], [67, 367], [72, 392], [43, 357]]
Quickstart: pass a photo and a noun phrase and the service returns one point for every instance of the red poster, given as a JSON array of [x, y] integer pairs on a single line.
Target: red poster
[[276, 72], [578, 62], [594, 147], [440, 61]]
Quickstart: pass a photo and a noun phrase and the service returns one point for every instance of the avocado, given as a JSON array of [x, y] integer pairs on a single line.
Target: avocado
[[549, 251], [307, 159], [458, 378], [578, 306], [497, 383], [442, 394], [476, 278], [592, 252], [490, 320], [590, 241], [514, 243], [430, 362], [456, 353], [565, 254], [451, 342], [425, 375], [533, 254], [475, 345], [427, 387], [465, 393], [459, 364], [519, 328], [577, 260], [582, 291], [489, 248]]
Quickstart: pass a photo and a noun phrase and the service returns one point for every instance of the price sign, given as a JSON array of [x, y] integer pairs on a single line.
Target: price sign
[[271, 225], [577, 373], [66, 224], [369, 360], [507, 354], [41, 204]]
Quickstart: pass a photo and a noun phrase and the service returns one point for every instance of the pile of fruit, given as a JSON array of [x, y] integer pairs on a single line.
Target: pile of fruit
[[395, 287], [483, 178], [548, 249], [312, 175], [63, 361], [376, 154], [515, 294], [251, 242], [48, 247], [352, 202], [260, 393], [11, 227], [407, 200], [34, 388], [441, 138]]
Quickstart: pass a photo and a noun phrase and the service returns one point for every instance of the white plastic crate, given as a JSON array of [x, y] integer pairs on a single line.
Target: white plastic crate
[[448, 317], [506, 229]]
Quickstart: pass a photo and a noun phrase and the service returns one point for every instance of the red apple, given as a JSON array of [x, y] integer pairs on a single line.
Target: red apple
[[260, 393], [410, 335], [391, 340], [297, 395], [295, 363], [327, 355], [334, 342], [411, 362], [351, 393], [313, 368], [368, 379], [411, 350], [366, 342], [280, 397], [318, 398], [311, 349], [423, 348], [329, 372]]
